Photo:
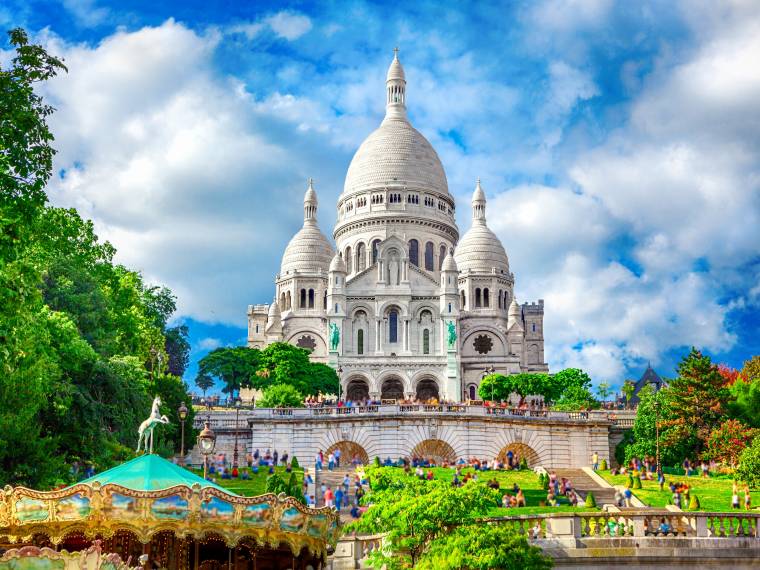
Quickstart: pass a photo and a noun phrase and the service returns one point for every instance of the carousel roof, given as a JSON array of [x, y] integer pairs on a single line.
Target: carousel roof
[[150, 473]]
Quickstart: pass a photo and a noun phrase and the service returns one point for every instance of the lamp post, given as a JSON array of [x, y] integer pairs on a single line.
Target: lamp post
[[657, 431], [489, 370], [182, 413], [206, 443], [340, 382], [238, 402]]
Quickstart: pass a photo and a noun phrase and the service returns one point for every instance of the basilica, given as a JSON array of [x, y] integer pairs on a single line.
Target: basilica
[[401, 306]]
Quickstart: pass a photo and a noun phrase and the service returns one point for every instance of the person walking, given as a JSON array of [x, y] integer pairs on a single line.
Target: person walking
[[330, 462], [595, 461], [338, 498], [329, 498], [337, 454]]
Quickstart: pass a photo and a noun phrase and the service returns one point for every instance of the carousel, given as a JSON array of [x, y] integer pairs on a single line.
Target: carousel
[[155, 514]]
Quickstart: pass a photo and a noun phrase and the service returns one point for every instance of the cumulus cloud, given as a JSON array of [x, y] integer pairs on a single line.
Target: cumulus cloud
[[289, 25], [209, 343]]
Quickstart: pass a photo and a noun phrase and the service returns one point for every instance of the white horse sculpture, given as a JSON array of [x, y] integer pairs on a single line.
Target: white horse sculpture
[[148, 426]]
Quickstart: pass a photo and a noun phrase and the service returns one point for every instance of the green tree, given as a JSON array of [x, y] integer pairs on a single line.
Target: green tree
[[177, 349], [235, 367], [575, 398], [697, 401], [322, 379], [496, 387], [727, 441], [204, 382], [628, 388], [483, 547], [281, 396], [751, 369], [749, 465], [603, 391], [744, 403], [413, 513]]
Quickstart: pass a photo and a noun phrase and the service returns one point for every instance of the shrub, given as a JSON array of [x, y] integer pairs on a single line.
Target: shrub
[[603, 465], [637, 482], [523, 463], [694, 503], [546, 482], [590, 500], [294, 463], [629, 482], [377, 461], [749, 464]]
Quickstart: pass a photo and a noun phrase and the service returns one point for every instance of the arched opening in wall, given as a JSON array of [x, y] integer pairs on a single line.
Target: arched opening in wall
[[311, 298], [519, 451], [478, 302], [282, 301], [357, 389], [427, 390], [393, 326], [426, 341], [324, 303], [302, 304], [375, 245], [472, 392], [429, 264], [392, 389], [441, 257], [414, 252], [486, 299], [463, 300], [360, 341], [361, 257], [350, 453], [287, 301], [349, 260], [435, 451]]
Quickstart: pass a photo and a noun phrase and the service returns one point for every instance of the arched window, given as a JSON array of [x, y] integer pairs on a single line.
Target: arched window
[[375, 244], [477, 298], [472, 392], [393, 326], [486, 299], [441, 257], [463, 299], [361, 257], [429, 264], [360, 342], [282, 301], [257, 329], [324, 303], [287, 301], [349, 261], [303, 299], [311, 298], [426, 341], [414, 252]]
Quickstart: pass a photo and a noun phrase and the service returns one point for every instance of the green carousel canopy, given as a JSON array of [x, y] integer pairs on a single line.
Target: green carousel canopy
[[150, 473]]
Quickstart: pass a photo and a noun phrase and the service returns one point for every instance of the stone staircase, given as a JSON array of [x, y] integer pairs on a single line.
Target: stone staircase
[[334, 479], [582, 484]]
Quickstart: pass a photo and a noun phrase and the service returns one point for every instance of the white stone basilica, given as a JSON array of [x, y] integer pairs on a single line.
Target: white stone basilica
[[404, 308]]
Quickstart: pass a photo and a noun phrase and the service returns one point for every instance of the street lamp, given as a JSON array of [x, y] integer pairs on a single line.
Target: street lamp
[[238, 403], [182, 413], [340, 373], [657, 431], [206, 443], [486, 372]]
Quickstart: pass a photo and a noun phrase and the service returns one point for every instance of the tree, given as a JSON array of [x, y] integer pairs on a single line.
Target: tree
[[628, 388], [234, 367], [727, 441], [292, 488], [575, 398], [497, 387], [744, 404], [413, 513], [751, 369], [281, 396], [697, 400], [483, 547], [651, 409], [603, 391], [204, 382], [177, 349], [749, 465], [322, 379]]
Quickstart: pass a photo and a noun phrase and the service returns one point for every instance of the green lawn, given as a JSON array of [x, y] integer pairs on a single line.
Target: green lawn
[[527, 480], [256, 485], [714, 493]]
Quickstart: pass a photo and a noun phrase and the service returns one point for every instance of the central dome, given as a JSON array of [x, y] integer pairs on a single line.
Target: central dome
[[396, 154]]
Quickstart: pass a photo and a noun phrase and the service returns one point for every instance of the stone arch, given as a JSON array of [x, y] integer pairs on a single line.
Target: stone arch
[[392, 388], [393, 373], [435, 450], [535, 444], [433, 309], [357, 388], [349, 450], [520, 450], [319, 346], [385, 308], [498, 347], [426, 388], [361, 307]]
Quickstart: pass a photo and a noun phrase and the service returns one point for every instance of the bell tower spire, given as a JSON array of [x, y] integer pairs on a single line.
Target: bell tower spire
[[395, 89], [478, 205], [310, 204]]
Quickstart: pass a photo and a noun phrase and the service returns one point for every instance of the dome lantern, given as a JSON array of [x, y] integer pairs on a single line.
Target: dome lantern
[[395, 88]]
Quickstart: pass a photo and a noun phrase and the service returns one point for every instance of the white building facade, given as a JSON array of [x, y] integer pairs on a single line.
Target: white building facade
[[401, 306]]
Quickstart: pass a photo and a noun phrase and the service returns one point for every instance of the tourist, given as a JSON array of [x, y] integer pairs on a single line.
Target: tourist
[[330, 462], [359, 495], [595, 461], [346, 483], [687, 466], [520, 498], [735, 497], [338, 498], [661, 478], [355, 512], [747, 498], [628, 494], [536, 530], [618, 498], [289, 467], [336, 453], [235, 473], [329, 497], [312, 502], [705, 469], [677, 499], [284, 458], [318, 461], [573, 498], [551, 499], [664, 527], [506, 500]]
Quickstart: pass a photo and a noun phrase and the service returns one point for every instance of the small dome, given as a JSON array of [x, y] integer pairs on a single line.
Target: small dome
[[337, 263], [396, 153], [480, 250], [395, 71], [448, 262], [274, 310], [308, 251]]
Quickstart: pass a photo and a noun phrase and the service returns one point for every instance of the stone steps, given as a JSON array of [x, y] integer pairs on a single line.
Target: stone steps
[[582, 484]]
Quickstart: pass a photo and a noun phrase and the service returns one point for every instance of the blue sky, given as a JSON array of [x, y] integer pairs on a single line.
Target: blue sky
[[618, 144]]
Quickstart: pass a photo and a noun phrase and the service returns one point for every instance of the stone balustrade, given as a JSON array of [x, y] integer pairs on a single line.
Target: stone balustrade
[[225, 419]]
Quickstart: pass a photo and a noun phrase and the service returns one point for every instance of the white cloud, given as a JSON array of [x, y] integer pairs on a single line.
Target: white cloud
[[86, 12], [209, 343], [289, 25], [249, 29]]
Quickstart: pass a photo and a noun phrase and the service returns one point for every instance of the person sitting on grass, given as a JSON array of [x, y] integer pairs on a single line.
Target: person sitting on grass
[[551, 500], [573, 498], [520, 499], [354, 512], [506, 500], [235, 473], [245, 476]]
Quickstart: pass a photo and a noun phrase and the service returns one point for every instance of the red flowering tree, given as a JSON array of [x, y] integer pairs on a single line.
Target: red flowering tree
[[727, 441], [730, 375]]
